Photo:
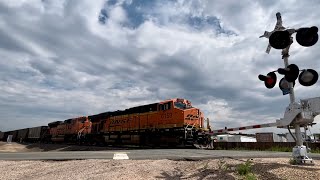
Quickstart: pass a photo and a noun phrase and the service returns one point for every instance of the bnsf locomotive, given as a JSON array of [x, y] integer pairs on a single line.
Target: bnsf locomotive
[[171, 122]]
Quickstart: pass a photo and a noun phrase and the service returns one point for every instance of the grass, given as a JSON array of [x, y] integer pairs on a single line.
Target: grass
[[293, 161], [250, 176], [245, 170], [280, 149], [275, 148], [317, 150], [222, 165]]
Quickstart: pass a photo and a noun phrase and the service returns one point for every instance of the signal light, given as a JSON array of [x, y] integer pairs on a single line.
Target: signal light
[[290, 73], [270, 80], [307, 36], [284, 85], [279, 39], [308, 77]]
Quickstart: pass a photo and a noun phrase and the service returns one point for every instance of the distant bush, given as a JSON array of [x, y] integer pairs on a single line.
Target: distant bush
[[281, 149], [317, 150]]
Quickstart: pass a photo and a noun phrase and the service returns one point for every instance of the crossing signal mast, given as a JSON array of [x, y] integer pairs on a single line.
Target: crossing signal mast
[[297, 114]]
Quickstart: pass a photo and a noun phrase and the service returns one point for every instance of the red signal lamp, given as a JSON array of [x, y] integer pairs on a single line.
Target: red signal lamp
[[270, 79]]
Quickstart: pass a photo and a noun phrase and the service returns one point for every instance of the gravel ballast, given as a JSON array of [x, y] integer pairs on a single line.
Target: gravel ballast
[[263, 168], [223, 168]]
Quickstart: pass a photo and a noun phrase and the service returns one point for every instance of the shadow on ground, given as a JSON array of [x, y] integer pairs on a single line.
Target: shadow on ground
[[70, 147], [75, 147], [200, 174], [263, 171]]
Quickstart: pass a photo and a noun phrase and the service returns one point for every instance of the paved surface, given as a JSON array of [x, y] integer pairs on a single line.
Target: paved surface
[[176, 154]]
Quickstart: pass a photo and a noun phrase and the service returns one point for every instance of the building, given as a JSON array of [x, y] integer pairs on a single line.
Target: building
[[235, 138], [271, 137]]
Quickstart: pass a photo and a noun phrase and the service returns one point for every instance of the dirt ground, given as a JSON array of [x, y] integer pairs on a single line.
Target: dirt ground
[[272, 169], [262, 168]]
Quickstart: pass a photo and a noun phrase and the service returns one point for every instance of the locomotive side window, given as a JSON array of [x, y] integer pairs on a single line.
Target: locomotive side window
[[160, 107], [165, 106]]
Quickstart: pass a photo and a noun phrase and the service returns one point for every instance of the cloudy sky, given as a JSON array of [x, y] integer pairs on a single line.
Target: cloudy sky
[[68, 58]]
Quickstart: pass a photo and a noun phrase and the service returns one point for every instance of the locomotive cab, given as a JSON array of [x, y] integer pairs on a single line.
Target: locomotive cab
[[191, 116], [179, 115]]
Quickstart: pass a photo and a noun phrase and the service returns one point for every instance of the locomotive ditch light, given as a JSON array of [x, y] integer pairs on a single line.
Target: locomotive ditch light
[[307, 36], [279, 39], [308, 77], [290, 73], [270, 80]]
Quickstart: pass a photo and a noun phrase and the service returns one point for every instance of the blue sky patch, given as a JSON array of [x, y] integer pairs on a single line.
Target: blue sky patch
[[139, 11]]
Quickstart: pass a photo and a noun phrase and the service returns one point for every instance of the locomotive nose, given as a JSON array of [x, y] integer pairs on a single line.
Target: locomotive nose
[[193, 116]]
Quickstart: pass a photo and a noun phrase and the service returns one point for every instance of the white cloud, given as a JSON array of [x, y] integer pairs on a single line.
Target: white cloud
[[61, 62]]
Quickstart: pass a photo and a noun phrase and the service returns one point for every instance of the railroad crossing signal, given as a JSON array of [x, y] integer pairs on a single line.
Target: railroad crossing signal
[[280, 38], [308, 77], [307, 36], [284, 86], [270, 79], [290, 73]]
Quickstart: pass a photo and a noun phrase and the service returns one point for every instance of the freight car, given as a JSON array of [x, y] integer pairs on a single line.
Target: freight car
[[34, 134], [22, 135], [38, 134], [13, 133], [1, 136]]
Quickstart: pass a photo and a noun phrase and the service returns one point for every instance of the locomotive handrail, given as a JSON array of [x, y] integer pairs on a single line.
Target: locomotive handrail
[[80, 131]]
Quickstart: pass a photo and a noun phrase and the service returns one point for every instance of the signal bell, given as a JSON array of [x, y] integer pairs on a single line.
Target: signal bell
[[270, 80], [307, 36], [290, 73], [279, 39], [308, 77]]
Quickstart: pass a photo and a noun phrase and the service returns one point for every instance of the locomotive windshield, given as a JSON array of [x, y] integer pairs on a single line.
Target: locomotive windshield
[[182, 105]]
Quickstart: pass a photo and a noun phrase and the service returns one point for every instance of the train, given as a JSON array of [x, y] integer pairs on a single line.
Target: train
[[173, 122]]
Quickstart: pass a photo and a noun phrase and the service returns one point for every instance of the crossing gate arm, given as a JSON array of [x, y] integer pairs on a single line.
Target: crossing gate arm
[[219, 131], [302, 114]]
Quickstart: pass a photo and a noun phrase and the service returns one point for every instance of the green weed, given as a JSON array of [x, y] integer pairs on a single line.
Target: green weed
[[244, 169], [250, 176], [293, 161]]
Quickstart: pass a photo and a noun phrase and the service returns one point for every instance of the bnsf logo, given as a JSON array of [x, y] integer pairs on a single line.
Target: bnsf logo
[[122, 121], [191, 117]]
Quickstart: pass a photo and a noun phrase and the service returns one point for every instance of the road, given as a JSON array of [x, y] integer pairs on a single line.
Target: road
[[176, 154]]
